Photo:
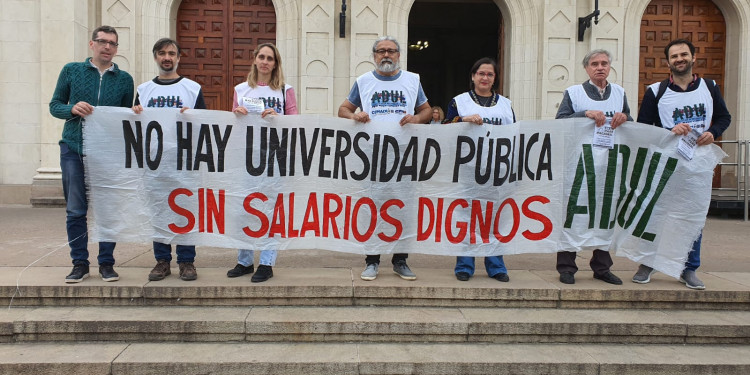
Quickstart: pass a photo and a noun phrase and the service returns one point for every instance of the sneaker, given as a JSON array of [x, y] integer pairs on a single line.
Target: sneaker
[[264, 273], [643, 275], [160, 271], [187, 271], [370, 272], [240, 270], [463, 276], [108, 273], [691, 280], [401, 269], [567, 278], [80, 272], [609, 277], [503, 277]]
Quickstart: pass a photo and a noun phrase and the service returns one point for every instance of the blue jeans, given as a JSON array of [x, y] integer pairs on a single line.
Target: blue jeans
[[494, 265], [694, 256], [185, 253], [267, 257], [76, 206]]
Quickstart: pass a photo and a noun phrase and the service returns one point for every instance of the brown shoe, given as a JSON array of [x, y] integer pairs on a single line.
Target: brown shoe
[[161, 270], [187, 271]]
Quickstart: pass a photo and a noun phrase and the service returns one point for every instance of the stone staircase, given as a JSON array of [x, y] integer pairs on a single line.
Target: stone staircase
[[328, 321]]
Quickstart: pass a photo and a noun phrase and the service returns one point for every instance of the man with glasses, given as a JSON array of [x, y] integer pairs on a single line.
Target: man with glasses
[[603, 102], [387, 94], [170, 90], [81, 87]]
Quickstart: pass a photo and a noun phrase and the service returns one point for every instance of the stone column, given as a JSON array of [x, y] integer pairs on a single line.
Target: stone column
[[65, 36], [318, 20], [367, 26], [121, 15]]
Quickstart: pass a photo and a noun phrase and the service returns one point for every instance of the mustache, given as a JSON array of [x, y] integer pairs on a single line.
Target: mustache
[[172, 66]]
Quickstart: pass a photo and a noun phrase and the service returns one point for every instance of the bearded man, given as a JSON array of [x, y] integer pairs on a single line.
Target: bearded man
[[682, 103], [387, 94]]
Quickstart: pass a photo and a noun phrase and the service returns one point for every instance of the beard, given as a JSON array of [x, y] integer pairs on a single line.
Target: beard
[[168, 70], [676, 71], [388, 66]]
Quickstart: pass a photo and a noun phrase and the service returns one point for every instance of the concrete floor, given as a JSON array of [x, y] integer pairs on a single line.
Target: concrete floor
[[37, 236]]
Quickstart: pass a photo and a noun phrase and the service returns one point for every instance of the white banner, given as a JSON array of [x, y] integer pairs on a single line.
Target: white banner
[[213, 178]]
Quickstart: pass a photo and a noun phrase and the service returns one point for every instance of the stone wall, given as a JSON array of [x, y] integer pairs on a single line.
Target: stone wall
[[541, 58]]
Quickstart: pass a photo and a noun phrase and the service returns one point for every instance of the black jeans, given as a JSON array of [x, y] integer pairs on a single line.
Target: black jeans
[[370, 259]]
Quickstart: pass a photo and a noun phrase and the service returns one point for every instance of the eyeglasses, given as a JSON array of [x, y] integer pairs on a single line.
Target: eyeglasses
[[487, 75], [384, 51], [103, 43]]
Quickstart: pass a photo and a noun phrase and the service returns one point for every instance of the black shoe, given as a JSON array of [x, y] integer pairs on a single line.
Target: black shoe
[[80, 272], [108, 273], [608, 277], [567, 278], [501, 277], [463, 276], [264, 273], [240, 270]]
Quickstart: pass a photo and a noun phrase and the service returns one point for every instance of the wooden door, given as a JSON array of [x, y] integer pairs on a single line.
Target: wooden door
[[218, 38], [699, 21]]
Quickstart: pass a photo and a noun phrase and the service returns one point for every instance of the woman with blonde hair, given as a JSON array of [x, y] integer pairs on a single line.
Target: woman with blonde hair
[[264, 93], [265, 83], [437, 115]]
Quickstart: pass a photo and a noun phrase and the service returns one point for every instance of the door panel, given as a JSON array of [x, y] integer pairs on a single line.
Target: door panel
[[218, 38], [699, 21]]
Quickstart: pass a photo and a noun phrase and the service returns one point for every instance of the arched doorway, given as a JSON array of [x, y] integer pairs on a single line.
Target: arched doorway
[[458, 33], [217, 39], [699, 21]]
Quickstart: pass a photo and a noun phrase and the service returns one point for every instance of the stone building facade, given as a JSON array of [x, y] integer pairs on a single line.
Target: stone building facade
[[536, 44]]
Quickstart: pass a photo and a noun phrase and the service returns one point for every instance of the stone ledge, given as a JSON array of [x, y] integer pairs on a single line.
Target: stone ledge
[[44, 286], [47, 202], [373, 324], [371, 359]]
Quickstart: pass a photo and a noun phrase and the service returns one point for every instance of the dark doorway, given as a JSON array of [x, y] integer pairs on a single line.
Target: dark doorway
[[458, 33]]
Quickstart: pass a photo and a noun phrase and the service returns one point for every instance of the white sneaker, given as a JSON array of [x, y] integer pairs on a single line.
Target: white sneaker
[[370, 272]]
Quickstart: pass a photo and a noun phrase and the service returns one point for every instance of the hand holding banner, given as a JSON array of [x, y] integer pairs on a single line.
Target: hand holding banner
[[214, 178]]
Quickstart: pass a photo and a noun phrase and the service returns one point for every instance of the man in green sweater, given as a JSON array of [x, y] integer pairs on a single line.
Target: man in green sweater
[[80, 88]]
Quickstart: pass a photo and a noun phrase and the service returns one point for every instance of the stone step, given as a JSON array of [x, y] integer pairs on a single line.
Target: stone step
[[47, 202], [373, 324], [44, 286], [371, 358]]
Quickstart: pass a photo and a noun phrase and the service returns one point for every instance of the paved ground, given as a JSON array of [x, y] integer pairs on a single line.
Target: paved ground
[[37, 236]]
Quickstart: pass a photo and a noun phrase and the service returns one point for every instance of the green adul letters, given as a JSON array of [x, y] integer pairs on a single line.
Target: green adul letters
[[623, 214]]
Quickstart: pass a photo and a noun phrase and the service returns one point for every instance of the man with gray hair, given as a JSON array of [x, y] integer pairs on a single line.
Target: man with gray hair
[[598, 100], [387, 94]]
